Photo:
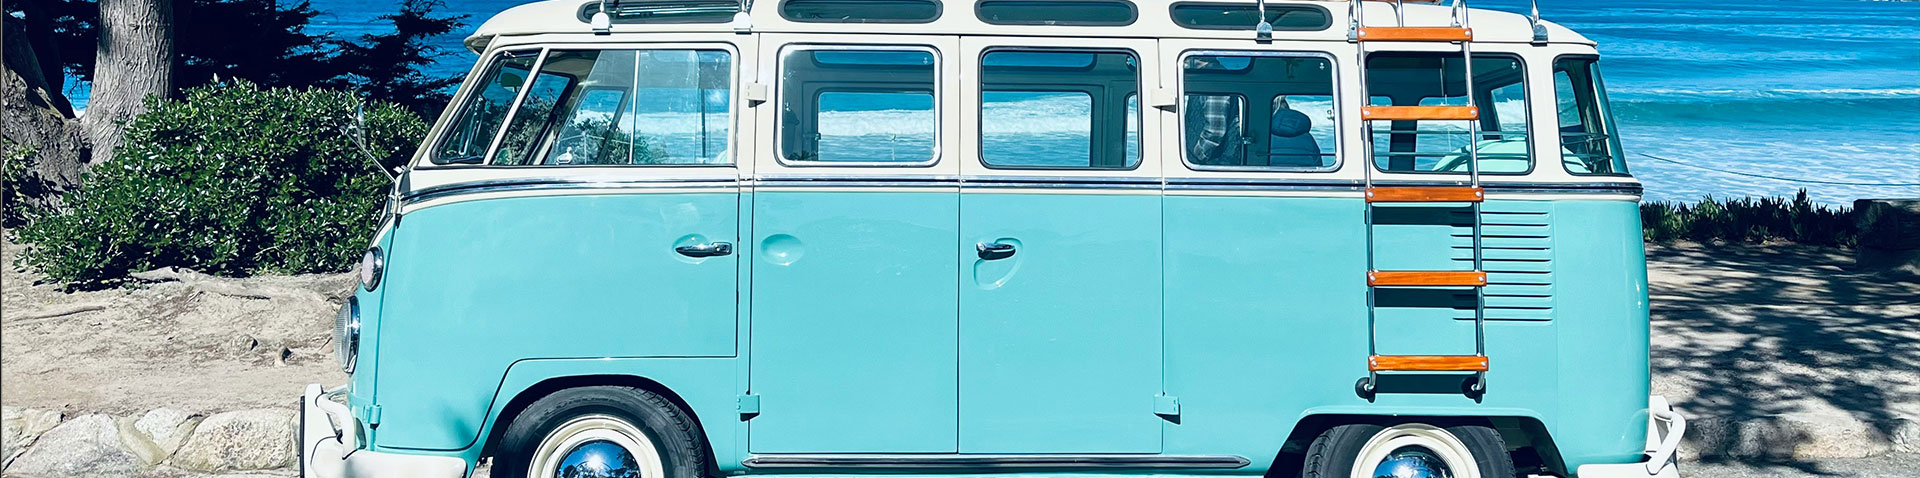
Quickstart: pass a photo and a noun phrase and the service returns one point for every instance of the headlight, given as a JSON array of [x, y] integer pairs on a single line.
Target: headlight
[[372, 266], [346, 334]]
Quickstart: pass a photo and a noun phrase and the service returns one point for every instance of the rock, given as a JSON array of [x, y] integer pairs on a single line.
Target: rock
[[239, 441], [21, 426], [86, 446], [155, 436]]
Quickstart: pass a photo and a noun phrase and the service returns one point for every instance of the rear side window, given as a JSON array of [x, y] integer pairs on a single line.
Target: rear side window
[[1059, 110], [1247, 110], [1437, 146], [600, 108], [1588, 142], [1244, 16], [858, 106], [860, 11], [1056, 12]]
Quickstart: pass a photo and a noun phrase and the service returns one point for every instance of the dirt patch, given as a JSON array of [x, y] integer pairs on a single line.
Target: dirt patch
[[1759, 333], [183, 340]]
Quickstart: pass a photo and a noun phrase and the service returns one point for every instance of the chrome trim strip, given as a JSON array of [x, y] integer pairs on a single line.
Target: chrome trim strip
[[999, 462], [990, 182], [1061, 182], [533, 184]]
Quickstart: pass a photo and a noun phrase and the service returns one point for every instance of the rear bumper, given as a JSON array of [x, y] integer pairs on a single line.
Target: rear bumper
[[329, 447], [1664, 429]]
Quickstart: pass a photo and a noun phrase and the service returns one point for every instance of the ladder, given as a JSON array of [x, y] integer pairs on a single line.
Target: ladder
[[1471, 193]]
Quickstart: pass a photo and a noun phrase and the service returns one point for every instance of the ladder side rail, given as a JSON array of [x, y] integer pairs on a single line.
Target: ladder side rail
[[1358, 21], [1473, 178]]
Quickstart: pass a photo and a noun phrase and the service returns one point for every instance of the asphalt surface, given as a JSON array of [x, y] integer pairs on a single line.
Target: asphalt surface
[[1897, 465]]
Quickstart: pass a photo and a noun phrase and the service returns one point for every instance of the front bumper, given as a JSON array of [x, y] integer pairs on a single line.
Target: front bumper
[[1664, 429], [329, 447]]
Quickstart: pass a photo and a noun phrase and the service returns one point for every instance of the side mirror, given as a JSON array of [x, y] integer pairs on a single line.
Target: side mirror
[[359, 133]]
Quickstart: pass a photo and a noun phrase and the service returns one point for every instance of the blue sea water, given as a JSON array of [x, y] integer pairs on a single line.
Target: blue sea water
[[1822, 90]]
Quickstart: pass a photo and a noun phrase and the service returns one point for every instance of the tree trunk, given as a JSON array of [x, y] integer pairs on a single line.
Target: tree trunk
[[35, 117], [134, 61]]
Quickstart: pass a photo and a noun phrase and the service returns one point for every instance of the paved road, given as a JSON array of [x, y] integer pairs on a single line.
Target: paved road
[[1898, 465]]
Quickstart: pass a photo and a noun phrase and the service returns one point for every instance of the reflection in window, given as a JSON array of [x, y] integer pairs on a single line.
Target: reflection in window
[[866, 106], [623, 107], [1059, 110], [1588, 142], [1439, 79], [471, 133], [1258, 111]]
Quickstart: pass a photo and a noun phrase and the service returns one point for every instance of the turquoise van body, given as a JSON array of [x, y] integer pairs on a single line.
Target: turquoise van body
[[1251, 332], [954, 317]]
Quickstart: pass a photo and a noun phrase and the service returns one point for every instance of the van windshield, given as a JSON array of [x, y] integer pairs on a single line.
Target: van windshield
[[598, 107]]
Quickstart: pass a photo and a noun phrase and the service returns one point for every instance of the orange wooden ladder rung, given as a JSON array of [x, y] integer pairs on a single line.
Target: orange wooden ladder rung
[[1427, 363], [1427, 278], [1427, 194], [1415, 113], [1415, 34]]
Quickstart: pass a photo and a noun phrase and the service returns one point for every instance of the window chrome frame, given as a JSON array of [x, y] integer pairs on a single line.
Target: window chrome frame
[[1139, 80], [733, 106], [1336, 90], [1606, 110], [780, 92], [464, 102], [1526, 87]]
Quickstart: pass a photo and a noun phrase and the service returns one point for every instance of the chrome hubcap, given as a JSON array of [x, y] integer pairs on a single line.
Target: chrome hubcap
[[599, 459], [1412, 462]]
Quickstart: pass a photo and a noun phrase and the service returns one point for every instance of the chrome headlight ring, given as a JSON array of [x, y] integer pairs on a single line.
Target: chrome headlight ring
[[373, 265], [346, 334]]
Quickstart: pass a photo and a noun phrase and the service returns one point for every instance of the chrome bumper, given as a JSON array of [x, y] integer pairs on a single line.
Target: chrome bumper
[[329, 447], [1664, 429]]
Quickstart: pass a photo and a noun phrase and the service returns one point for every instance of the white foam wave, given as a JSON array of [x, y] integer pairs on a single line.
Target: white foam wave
[[1834, 93]]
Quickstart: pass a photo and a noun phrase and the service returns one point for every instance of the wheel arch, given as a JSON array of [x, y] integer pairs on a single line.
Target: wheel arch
[[531, 380], [1532, 445]]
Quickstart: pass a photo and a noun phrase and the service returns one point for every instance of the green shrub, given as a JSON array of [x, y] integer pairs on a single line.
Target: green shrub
[[233, 180], [19, 184], [1756, 220]]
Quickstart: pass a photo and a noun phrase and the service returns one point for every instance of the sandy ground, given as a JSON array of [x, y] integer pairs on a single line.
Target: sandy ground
[[1783, 331], [199, 344]]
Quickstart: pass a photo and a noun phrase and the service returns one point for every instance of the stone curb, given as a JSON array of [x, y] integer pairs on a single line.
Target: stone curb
[[161, 442]]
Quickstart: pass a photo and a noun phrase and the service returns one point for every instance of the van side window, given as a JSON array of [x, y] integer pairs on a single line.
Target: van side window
[[874, 106], [1439, 79], [471, 132], [624, 107], [1588, 142], [1258, 111], [1059, 110]]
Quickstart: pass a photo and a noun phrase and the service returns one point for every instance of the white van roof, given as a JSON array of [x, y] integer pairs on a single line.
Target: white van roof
[[957, 18]]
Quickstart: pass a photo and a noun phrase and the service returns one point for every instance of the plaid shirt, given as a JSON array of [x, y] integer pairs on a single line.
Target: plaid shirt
[[1214, 130]]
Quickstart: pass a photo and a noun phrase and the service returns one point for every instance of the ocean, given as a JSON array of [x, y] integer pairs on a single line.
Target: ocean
[[1748, 98]]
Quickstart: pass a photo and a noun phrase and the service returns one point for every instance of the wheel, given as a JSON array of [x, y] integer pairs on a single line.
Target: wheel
[[602, 431], [1411, 450]]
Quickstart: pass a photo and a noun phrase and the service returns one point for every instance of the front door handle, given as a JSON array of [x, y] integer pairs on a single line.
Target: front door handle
[[994, 251], [711, 249]]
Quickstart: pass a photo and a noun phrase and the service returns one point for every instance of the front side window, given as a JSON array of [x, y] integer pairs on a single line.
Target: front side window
[[1588, 142], [1258, 111], [858, 106], [471, 132], [1440, 146], [606, 107], [1059, 110]]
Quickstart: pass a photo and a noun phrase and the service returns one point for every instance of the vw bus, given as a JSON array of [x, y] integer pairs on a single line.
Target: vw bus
[[1084, 238]]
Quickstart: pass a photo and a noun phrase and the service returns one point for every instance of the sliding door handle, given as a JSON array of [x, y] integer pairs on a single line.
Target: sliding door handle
[[994, 251], [711, 249]]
